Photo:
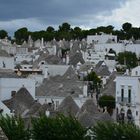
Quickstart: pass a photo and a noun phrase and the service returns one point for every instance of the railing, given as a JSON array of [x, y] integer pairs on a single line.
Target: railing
[[125, 101]]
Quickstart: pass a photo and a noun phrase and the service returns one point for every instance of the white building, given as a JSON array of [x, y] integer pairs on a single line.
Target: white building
[[128, 97], [10, 85], [6, 62], [4, 110], [101, 39], [54, 70], [55, 89]]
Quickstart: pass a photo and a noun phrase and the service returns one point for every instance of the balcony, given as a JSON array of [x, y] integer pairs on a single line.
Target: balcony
[[125, 102]]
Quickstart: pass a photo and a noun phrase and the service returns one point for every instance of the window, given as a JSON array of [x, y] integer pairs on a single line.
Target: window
[[57, 104], [136, 113], [122, 94], [129, 95], [3, 64], [136, 72], [42, 62], [13, 93]]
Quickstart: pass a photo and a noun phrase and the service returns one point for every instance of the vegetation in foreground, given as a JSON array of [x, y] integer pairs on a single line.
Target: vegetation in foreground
[[66, 128]]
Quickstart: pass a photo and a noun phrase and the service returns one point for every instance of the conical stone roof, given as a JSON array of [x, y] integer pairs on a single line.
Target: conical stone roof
[[70, 74], [68, 107], [89, 107], [22, 101]]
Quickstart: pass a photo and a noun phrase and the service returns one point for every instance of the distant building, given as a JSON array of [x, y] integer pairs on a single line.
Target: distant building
[[10, 83], [101, 39], [6, 61]]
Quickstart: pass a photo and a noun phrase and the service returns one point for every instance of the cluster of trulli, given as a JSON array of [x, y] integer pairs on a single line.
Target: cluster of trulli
[[88, 115]]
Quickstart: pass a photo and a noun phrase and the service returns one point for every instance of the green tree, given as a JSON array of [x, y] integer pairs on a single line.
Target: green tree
[[66, 27], [14, 128], [96, 81], [77, 33], [3, 34], [64, 31], [126, 26], [107, 101], [59, 128], [50, 29], [128, 58], [21, 35], [114, 131]]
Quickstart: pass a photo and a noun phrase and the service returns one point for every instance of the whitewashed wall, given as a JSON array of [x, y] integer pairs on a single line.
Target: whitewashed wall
[[128, 81], [6, 110], [7, 61], [14, 84], [100, 38], [54, 70]]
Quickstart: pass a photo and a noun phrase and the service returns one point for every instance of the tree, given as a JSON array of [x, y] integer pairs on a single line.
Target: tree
[[59, 128], [65, 27], [14, 128], [96, 81], [128, 58], [114, 131], [21, 35], [126, 27], [3, 34], [77, 33], [107, 101], [50, 29]]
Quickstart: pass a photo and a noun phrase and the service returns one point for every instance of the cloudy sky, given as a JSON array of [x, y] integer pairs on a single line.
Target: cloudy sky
[[38, 14]]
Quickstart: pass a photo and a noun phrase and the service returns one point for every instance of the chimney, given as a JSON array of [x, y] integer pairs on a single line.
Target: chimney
[[47, 113], [45, 71], [67, 59], [13, 93], [85, 90]]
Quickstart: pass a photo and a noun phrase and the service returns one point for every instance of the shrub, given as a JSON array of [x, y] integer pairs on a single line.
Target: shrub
[[60, 127], [14, 128], [114, 131]]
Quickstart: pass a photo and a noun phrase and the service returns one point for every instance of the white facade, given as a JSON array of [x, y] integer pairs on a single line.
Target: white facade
[[6, 110], [22, 57], [6, 62], [128, 98], [136, 71], [21, 50], [101, 39], [93, 56], [54, 70], [37, 78], [7, 85], [9, 49], [118, 47]]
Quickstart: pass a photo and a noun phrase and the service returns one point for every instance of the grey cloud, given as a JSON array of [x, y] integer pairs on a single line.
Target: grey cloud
[[53, 12], [20, 9]]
